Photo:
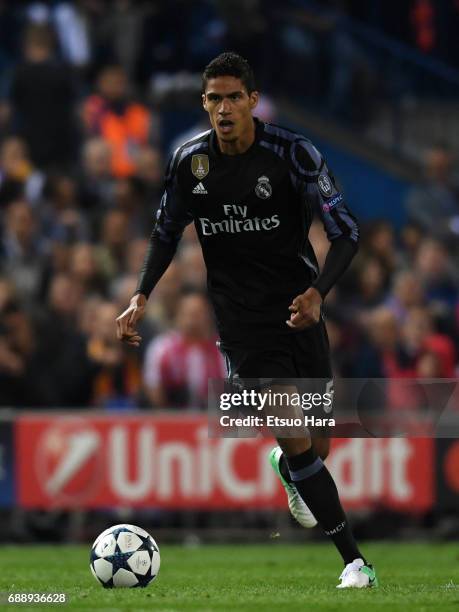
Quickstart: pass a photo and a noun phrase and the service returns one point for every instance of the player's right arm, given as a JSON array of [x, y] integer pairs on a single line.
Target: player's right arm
[[317, 187], [172, 218]]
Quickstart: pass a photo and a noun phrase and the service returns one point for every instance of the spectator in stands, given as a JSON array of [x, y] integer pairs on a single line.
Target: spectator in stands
[[421, 353], [192, 266], [411, 237], [123, 123], [43, 98], [84, 270], [135, 255], [149, 166], [38, 359], [122, 31], [342, 338], [163, 304], [407, 292], [7, 293], [379, 242], [371, 287], [72, 21], [149, 172], [377, 345], [25, 379], [179, 363], [87, 314], [195, 38], [418, 338], [414, 332], [63, 344], [433, 205], [59, 258], [18, 177], [62, 218], [401, 354], [129, 197], [10, 33], [246, 26], [409, 350], [23, 253], [114, 240], [96, 180], [117, 374], [437, 359], [437, 272]]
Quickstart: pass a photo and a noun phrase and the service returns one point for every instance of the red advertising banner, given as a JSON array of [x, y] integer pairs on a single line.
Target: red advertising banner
[[73, 461], [396, 473], [448, 474]]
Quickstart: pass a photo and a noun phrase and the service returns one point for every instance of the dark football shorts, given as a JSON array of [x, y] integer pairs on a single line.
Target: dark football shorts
[[300, 355], [300, 360]]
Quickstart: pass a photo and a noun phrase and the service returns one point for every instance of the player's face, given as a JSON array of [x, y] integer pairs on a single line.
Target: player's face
[[229, 107]]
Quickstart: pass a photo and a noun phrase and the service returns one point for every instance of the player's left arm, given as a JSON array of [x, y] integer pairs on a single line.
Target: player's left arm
[[172, 218], [318, 187]]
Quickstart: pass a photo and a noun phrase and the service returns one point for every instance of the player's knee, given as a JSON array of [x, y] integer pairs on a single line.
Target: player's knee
[[323, 454], [322, 447], [294, 446]]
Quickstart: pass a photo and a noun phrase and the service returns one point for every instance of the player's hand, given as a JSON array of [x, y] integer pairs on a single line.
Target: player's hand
[[305, 309], [127, 321]]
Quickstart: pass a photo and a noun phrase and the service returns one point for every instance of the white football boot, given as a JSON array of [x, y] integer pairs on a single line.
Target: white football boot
[[298, 508], [357, 575]]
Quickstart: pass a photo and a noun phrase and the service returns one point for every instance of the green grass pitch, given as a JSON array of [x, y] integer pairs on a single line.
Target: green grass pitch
[[421, 577]]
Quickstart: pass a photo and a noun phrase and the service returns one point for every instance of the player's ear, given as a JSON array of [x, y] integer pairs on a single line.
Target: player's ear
[[204, 101], [253, 99]]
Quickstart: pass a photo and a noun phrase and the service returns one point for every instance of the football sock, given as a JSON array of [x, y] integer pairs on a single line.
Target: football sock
[[318, 490], [283, 468]]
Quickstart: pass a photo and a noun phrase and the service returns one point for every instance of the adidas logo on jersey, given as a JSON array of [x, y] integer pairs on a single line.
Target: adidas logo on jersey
[[200, 189]]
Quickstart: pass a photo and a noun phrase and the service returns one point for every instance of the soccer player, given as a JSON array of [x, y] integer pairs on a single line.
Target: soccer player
[[252, 189]]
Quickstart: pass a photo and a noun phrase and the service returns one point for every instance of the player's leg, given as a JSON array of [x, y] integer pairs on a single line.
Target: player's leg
[[308, 478], [297, 506], [317, 488], [276, 363], [321, 448], [310, 362], [302, 465], [279, 464]]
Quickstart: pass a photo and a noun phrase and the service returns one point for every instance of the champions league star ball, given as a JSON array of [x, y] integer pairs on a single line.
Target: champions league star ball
[[124, 556]]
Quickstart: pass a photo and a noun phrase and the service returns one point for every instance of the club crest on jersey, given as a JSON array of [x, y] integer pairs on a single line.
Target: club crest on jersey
[[200, 166], [263, 188], [325, 185]]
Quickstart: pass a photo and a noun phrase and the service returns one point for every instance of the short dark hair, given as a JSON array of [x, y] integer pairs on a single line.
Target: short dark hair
[[229, 64]]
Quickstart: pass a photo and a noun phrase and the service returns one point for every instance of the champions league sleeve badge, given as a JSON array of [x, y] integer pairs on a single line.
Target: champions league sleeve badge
[[325, 185], [263, 188]]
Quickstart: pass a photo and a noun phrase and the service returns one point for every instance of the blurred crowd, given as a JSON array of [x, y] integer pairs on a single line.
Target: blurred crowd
[[300, 47], [396, 312], [85, 98]]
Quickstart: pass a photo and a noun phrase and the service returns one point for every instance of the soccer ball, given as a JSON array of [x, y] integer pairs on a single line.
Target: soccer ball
[[124, 556]]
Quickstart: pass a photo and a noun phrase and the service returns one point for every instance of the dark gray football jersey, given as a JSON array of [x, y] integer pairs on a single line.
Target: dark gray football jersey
[[252, 213]]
